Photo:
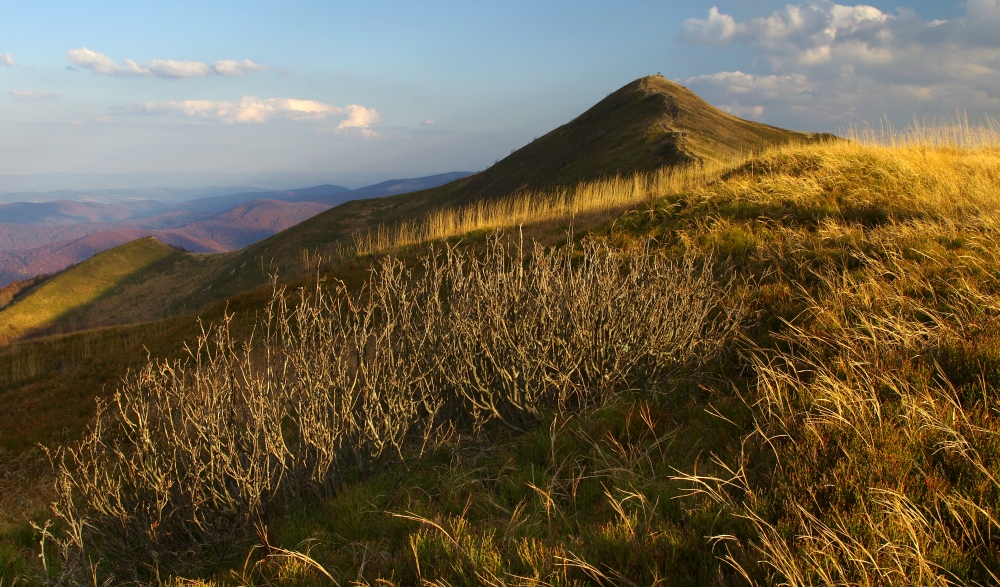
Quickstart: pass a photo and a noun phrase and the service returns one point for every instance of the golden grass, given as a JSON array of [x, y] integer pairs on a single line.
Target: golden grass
[[872, 459], [956, 132], [605, 195], [858, 179], [935, 168]]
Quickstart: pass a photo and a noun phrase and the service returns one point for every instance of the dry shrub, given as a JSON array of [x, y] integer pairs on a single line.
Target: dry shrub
[[190, 454]]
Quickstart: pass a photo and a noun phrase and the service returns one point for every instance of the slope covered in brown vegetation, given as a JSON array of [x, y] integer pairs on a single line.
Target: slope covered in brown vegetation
[[243, 225]]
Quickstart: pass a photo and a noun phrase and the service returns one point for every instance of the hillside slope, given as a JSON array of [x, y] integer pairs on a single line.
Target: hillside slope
[[58, 299]]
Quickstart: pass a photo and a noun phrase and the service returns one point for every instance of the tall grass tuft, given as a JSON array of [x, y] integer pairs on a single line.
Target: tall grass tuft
[[883, 465], [605, 195], [189, 455], [954, 133]]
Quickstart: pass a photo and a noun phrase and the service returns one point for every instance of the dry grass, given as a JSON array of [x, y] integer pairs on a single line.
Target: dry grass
[[872, 459], [883, 435], [606, 195], [954, 133]]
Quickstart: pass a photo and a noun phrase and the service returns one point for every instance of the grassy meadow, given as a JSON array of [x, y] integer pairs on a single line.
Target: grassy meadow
[[783, 370]]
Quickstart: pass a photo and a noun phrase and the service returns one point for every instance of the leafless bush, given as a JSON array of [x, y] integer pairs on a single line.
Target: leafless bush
[[190, 454]]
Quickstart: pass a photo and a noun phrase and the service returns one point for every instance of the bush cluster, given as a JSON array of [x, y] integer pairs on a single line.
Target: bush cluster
[[189, 455]]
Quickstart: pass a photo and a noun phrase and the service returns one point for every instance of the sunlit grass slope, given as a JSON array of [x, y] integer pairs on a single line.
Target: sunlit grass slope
[[63, 295], [586, 199]]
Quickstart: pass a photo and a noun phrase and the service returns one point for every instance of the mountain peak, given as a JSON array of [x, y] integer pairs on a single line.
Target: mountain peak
[[647, 124]]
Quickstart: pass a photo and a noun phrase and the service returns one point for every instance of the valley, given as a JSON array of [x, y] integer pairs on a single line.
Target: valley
[[44, 238]]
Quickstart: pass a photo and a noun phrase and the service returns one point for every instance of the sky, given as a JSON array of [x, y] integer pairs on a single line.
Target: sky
[[358, 92]]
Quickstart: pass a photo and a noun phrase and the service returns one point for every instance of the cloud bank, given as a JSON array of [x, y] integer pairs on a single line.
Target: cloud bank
[[167, 68], [7, 59], [251, 109], [832, 63]]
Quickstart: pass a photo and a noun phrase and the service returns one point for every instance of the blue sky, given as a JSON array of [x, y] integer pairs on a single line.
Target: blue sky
[[363, 91]]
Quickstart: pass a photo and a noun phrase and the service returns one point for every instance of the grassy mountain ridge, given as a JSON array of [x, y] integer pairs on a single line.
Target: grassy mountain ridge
[[647, 124]]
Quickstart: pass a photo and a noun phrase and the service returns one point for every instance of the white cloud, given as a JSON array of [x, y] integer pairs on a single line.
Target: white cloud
[[251, 109], [767, 86], [747, 112], [833, 62], [717, 29], [168, 68], [358, 117], [7, 59], [229, 67], [807, 33], [29, 95], [746, 95], [429, 122]]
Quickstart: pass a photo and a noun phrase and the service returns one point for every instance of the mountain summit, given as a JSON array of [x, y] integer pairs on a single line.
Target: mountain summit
[[647, 124]]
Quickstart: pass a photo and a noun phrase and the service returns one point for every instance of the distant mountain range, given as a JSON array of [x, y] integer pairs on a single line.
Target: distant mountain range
[[183, 185], [113, 196], [46, 237], [71, 212]]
